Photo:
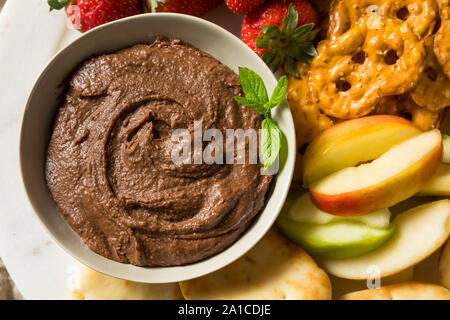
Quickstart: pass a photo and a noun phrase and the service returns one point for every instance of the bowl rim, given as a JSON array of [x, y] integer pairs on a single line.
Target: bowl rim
[[178, 273]]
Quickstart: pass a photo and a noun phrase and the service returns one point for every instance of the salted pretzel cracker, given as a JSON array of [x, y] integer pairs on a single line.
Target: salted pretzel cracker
[[442, 37], [425, 119], [444, 9], [420, 15], [433, 89], [308, 120], [421, 117], [405, 107], [353, 72], [390, 105]]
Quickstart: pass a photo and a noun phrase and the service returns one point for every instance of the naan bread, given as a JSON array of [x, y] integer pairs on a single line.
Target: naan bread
[[274, 269], [96, 286]]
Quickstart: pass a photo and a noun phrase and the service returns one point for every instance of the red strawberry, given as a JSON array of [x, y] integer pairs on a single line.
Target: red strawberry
[[243, 6], [93, 13], [191, 7], [281, 32]]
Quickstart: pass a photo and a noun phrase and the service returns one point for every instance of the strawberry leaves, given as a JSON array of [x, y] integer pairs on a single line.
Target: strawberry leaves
[[93, 13], [256, 98], [288, 45], [58, 4]]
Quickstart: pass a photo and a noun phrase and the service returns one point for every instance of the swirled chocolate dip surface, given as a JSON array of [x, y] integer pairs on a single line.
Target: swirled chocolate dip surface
[[109, 165]]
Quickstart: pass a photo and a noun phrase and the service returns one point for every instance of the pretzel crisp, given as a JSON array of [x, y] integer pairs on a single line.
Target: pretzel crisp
[[433, 89], [442, 37], [354, 71], [308, 119], [419, 14], [444, 9], [405, 107]]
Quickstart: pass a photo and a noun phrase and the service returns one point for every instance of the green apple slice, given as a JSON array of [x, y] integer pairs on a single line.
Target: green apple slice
[[419, 232], [336, 240], [303, 210], [446, 143]]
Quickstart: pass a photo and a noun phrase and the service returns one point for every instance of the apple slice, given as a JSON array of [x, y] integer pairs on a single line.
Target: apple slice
[[395, 176], [419, 232], [439, 185], [446, 143], [444, 266], [355, 141], [339, 240], [303, 210], [344, 286]]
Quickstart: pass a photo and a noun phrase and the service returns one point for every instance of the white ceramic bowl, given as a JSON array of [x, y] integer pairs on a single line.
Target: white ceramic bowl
[[44, 101]]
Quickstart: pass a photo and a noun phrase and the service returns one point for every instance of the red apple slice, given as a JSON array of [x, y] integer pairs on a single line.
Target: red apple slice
[[395, 176], [355, 141]]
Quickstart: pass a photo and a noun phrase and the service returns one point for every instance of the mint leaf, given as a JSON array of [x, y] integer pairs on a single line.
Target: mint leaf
[[253, 86], [270, 142], [257, 99], [278, 93], [252, 104]]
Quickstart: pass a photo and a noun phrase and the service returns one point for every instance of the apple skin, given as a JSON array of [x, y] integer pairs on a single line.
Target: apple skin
[[383, 195], [368, 138], [303, 210]]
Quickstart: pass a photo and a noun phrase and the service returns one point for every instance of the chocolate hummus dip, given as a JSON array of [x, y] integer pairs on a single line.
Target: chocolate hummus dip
[[109, 166]]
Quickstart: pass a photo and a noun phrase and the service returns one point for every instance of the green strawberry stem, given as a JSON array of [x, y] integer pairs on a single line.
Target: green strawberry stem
[[58, 4], [288, 45]]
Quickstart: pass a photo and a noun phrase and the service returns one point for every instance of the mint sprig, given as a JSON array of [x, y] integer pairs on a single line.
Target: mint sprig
[[256, 98]]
